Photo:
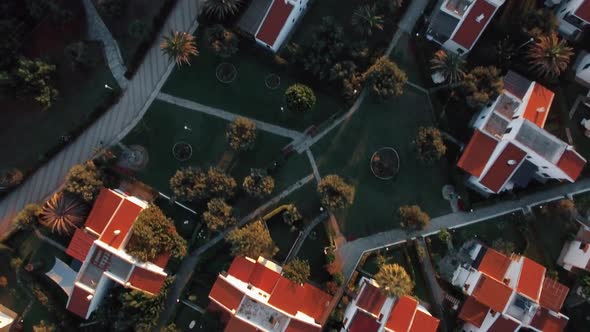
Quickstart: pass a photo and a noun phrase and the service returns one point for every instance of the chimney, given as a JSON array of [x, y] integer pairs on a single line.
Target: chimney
[[89, 297], [480, 18]]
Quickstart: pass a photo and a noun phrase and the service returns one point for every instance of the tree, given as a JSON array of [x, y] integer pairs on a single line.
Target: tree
[[3, 281], [482, 85], [505, 247], [394, 281], [241, 134], [140, 310], [84, 180], [351, 80], [27, 217], [219, 215], [138, 29], [154, 234], [193, 183], [222, 42], [449, 65], [258, 184], [44, 327], [221, 9], [413, 216], [219, 184], [80, 56], [334, 192], [430, 144], [179, 46], [445, 236], [291, 215], [252, 240], [563, 208], [585, 284], [538, 22], [62, 213], [297, 270], [299, 98], [170, 328], [549, 56], [10, 177], [385, 78], [365, 19], [36, 77]]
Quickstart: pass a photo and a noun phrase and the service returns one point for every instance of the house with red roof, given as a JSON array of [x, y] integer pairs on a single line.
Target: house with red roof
[[99, 247], [509, 147], [508, 294], [372, 311], [573, 17], [270, 22], [458, 24], [576, 253], [254, 296]]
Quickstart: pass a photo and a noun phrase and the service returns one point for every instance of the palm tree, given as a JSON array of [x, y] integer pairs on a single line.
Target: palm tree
[[365, 19], [179, 46], [549, 56], [394, 280], [221, 9], [449, 65], [62, 213]]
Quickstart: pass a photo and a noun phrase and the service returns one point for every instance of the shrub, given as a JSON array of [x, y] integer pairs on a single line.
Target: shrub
[[84, 181], [385, 78], [335, 193], [28, 216], [297, 270], [430, 145], [241, 134], [299, 98], [482, 85], [413, 216], [222, 42], [36, 77]]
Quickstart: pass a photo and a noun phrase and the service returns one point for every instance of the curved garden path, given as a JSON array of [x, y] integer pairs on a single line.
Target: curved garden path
[[110, 127]]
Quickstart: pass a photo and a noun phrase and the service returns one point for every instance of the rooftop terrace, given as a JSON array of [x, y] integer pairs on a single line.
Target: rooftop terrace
[[458, 7], [262, 315]]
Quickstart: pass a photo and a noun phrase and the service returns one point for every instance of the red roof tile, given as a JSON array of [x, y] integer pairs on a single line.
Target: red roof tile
[[299, 326], [363, 322], [546, 322], [494, 264], [492, 293], [103, 209], [402, 314], [530, 279], [290, 297], [241, 268], [146, 280], [571, 163], [226, 294], [162, 259], [423, 322], [501, 171], [263, 278], [80, 244], [274, 21], [473, 312], [78, 302], [477, 153], [474, 24], [537, 109], [121, 221], [503, 325], [583, 11], [553, 294], [237, 325], [371, 299]]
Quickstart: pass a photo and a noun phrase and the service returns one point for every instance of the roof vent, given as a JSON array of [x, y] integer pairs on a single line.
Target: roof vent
[[480, 18], [117, 231], [541, 110], [511, 162], [89, 297]]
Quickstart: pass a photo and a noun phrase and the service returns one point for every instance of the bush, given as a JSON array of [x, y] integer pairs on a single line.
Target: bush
[[413, 216], [219, 215], [430, 144], [482, 85], [297, 270], [221, 41], [35, 77], [385, 78], [84, 181], [299, 98], [192, 183], [27, 217], [334, 192], [258, 184], [252, 240], [241, 134]]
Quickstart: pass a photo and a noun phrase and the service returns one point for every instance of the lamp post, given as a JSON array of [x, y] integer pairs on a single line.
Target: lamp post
[[106, 86]]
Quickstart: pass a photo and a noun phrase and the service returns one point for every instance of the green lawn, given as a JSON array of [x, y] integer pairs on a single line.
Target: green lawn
[[347, 152], [312, 250], [505, 227], [179, 215], [283, 236]]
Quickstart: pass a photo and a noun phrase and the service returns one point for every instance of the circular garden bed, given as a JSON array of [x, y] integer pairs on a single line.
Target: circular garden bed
[[226, 72], [385, 163], [182, 151], [272, 81]]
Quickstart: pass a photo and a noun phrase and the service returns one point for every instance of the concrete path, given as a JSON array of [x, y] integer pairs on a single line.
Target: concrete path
[[97, 30], [299, 242], [314, 166], [193, 306], [438, 294], [192, 105], [48, 240], [351, 252], [108, 129]]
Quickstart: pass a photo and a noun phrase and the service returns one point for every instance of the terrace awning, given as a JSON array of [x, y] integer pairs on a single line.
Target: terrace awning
[[63, 275]]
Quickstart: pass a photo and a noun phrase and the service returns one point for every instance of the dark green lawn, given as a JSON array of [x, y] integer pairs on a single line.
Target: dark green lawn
[[347, 152], [312, 250], [505, 227], [283, 236]]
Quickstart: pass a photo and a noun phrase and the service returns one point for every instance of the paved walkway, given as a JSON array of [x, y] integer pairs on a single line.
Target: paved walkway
[[352, 251], [192, 105], [97, 30], [300, 239], [437, 293], [110, 128], [314, 166], [49, 241]]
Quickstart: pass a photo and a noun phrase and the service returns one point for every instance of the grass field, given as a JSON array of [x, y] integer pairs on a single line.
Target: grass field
[[312, 250]]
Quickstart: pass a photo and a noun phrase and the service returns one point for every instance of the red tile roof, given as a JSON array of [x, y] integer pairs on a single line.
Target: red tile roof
[[494, 264], [371, 299], [80, 244], [237, 325], [571, 163], [537, 109], [290, 297], [241, 268], [583, 11], [146, 280], [402, 314], [530, 279], [121, 221], [546, 322], [477, 153], [103, 209], [473, 25], [78, 302], [226, 294], [263, 278], [473, 312], [492, 293], [553, 294], [274, 21], [503, 325], [423, 322], [363, 322], [299, 326], [162, 259], [501, 171]]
